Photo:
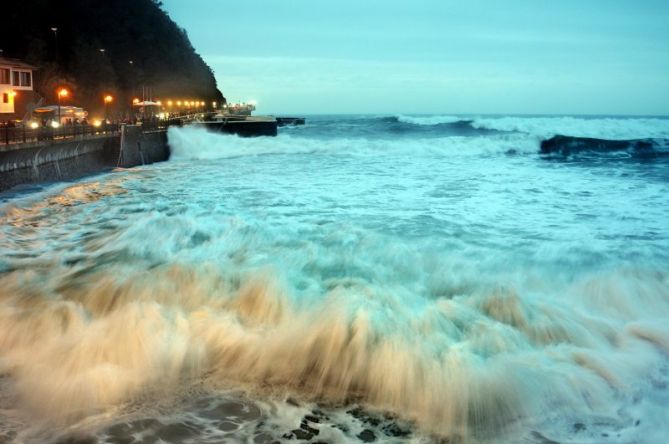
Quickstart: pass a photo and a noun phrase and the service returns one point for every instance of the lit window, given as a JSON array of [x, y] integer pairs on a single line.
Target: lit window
[[4, 76], [5, 98]]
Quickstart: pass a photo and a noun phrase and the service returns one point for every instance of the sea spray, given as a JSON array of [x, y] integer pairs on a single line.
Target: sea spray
[[458, 290]]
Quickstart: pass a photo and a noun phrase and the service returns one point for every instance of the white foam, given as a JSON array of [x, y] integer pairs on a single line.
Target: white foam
[[429, 120], [602, 128], [468, 292], [199, 144]]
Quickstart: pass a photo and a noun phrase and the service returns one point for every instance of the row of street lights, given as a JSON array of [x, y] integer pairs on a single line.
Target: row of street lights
[[62, 93]]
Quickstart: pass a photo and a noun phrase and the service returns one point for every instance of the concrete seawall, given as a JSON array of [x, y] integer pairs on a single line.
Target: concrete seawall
[[141, 148], [67, 159], [52, 161]]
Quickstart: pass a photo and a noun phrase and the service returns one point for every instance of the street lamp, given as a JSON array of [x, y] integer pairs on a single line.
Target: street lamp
[[108, 99], [61, 93], [55, 33]]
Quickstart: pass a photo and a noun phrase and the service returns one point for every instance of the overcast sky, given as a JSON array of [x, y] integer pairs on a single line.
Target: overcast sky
[[436, 56]]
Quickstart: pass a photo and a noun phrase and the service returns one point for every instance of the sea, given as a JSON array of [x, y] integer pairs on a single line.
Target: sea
[[361, 278]]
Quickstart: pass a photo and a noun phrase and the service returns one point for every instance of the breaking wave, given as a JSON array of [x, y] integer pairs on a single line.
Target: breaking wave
[[315, 287], [614, 128], [459, 355], [199, 144], [430, 120]]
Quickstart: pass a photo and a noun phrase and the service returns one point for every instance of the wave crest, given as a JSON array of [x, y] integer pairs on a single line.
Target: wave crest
[[455, 366]]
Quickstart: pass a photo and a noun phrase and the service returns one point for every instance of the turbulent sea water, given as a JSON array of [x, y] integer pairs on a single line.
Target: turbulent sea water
[[360, 278]]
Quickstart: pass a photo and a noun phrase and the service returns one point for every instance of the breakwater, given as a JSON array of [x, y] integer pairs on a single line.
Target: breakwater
[[566, 145]]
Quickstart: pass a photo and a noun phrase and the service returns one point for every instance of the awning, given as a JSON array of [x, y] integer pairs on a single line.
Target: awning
[[146, 103]]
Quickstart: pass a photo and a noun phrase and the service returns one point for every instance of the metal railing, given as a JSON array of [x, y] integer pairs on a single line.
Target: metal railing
[[10, 135], [21, 134], [157, 124]]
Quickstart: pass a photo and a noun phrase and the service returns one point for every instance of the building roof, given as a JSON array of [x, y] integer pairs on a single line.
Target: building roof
[[15, 63]]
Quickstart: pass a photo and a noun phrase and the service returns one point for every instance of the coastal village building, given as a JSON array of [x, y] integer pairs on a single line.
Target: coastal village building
[[16, 88]]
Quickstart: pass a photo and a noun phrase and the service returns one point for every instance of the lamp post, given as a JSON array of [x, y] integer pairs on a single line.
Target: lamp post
[[55, 34], [107, 99], [62, 93]]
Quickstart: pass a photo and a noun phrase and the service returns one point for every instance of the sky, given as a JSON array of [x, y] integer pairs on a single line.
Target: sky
[[435, 56]]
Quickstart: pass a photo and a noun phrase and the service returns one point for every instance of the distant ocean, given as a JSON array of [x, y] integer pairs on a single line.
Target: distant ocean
[[360, 278]]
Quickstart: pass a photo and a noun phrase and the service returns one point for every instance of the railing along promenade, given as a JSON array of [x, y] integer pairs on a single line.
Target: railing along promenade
[[13, 137]]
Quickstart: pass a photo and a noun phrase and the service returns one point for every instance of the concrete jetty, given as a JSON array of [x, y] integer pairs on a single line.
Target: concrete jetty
[[286, 121], [244, 126]]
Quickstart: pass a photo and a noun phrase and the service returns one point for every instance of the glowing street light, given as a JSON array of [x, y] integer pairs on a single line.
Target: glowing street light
[[61, 93], [107, 100], [169, 103], [135, 101]]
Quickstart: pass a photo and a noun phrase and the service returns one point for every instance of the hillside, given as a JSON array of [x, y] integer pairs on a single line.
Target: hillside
[[105, 47]]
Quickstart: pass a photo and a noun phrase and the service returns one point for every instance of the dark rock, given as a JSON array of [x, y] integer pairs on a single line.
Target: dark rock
[[364, 417], [298, 434], [312, 418], [579, 426], [395, 430], [566, 145], [305, 426], [367, 436]]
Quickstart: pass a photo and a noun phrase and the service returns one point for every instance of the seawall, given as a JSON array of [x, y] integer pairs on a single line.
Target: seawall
[[50, 161]]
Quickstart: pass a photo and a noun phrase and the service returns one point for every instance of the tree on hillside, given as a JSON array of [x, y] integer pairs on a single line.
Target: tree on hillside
[[112, 46]]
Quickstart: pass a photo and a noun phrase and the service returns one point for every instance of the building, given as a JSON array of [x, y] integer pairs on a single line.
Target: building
[[16, 88]]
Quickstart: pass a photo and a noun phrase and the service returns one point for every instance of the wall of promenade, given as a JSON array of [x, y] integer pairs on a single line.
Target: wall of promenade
[[57, 160]]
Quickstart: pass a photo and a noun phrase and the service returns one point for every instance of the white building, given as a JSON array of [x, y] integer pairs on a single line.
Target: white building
[[16, 87]]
